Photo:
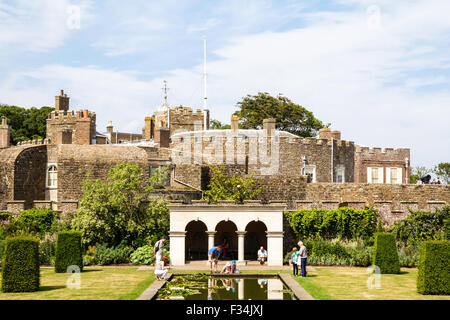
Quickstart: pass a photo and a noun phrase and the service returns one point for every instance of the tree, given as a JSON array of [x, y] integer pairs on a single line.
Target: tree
[[216, 124], [442, 170], [26, 124], [118, 209], [222, 187], [289, 116], [416, 173]]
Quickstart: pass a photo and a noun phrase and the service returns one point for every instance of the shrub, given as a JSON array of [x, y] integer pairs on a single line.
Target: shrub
[[385, 254], [408, 257], [5, 216], [345, 223], [47, 249], [41, 219], [423, 226], [68, 251], [20, 267], [112, 255], [434, 268], [322, 252], [118, 209], [144, 255]]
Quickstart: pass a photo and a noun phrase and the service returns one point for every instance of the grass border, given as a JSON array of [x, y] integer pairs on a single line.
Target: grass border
[[139, 289]]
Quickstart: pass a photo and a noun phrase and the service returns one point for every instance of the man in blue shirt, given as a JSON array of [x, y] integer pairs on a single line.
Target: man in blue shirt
[[213, 257]]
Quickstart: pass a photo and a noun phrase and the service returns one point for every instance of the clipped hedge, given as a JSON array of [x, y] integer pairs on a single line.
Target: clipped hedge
[[344, 223], [68, 251], [20, 265], [434, 268], [385, 254]]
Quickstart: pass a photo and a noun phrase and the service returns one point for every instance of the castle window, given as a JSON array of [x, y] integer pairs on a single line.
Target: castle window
[[340, 174], [374, 175], [310, 172], [394, 175], [52, 176]]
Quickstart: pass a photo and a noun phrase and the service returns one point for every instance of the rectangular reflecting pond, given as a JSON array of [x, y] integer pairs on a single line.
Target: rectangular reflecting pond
[[217, 287]]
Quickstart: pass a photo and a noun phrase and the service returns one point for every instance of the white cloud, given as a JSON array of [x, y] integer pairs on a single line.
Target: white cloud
[[36, 26], [367, 82]]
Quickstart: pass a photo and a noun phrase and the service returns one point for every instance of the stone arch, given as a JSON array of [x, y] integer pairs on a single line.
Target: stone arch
[[226, 230], [255, 237], [196, 242]]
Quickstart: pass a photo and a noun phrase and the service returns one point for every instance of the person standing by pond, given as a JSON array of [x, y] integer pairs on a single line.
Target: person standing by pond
[[294, 259], [158, 249], [303, 257], [213, 257]]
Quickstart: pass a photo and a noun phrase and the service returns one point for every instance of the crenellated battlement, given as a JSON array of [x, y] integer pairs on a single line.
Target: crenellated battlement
[[71, 115], [376, 151], [186, 111]]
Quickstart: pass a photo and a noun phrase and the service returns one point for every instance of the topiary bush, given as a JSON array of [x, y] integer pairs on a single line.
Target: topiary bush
[[385, 254], [20, 266], [434, 268], [68, 251]]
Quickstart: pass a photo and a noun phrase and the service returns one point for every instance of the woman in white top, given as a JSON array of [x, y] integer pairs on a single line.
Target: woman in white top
[[160, 270]]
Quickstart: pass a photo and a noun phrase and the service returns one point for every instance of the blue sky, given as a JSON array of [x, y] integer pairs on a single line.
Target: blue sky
[[376, 70]]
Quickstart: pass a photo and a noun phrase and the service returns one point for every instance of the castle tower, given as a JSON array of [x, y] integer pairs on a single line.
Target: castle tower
[[65, 126], [4, 134]]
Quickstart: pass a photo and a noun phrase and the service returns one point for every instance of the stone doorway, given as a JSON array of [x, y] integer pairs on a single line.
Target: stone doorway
[[255, 237], [226, 235], [196, 241]]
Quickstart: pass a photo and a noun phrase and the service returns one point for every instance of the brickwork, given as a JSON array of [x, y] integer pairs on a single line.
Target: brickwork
[[15, 207], [81, 123], [375, 157]]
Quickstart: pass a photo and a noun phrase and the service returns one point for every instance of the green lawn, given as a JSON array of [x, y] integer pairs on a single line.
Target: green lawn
[[102, 283], [350, 283]]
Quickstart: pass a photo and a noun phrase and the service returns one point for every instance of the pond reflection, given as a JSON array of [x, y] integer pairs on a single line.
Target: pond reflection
[[202, 287]]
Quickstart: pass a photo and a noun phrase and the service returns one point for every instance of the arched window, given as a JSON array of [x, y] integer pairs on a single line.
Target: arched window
[[52, 176]]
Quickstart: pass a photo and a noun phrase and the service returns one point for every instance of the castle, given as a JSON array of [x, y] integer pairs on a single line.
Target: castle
[[321, 172]]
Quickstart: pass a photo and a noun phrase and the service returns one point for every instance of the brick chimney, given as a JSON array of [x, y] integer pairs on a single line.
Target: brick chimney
[[62, 102], [235, 124], [162, 137], [4, 134], [269, 126]]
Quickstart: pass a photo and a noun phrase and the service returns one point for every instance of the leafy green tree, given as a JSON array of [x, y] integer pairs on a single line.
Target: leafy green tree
[[216, 124], [289, 116], [222, 187], [26, 124], [416, 173], [442, 170], [118, 209]]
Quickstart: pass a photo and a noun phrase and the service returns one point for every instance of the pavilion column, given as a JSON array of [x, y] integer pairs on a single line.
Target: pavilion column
[[241, 289], [241, 253], [177, 247], [211, 235], [274, 248]]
